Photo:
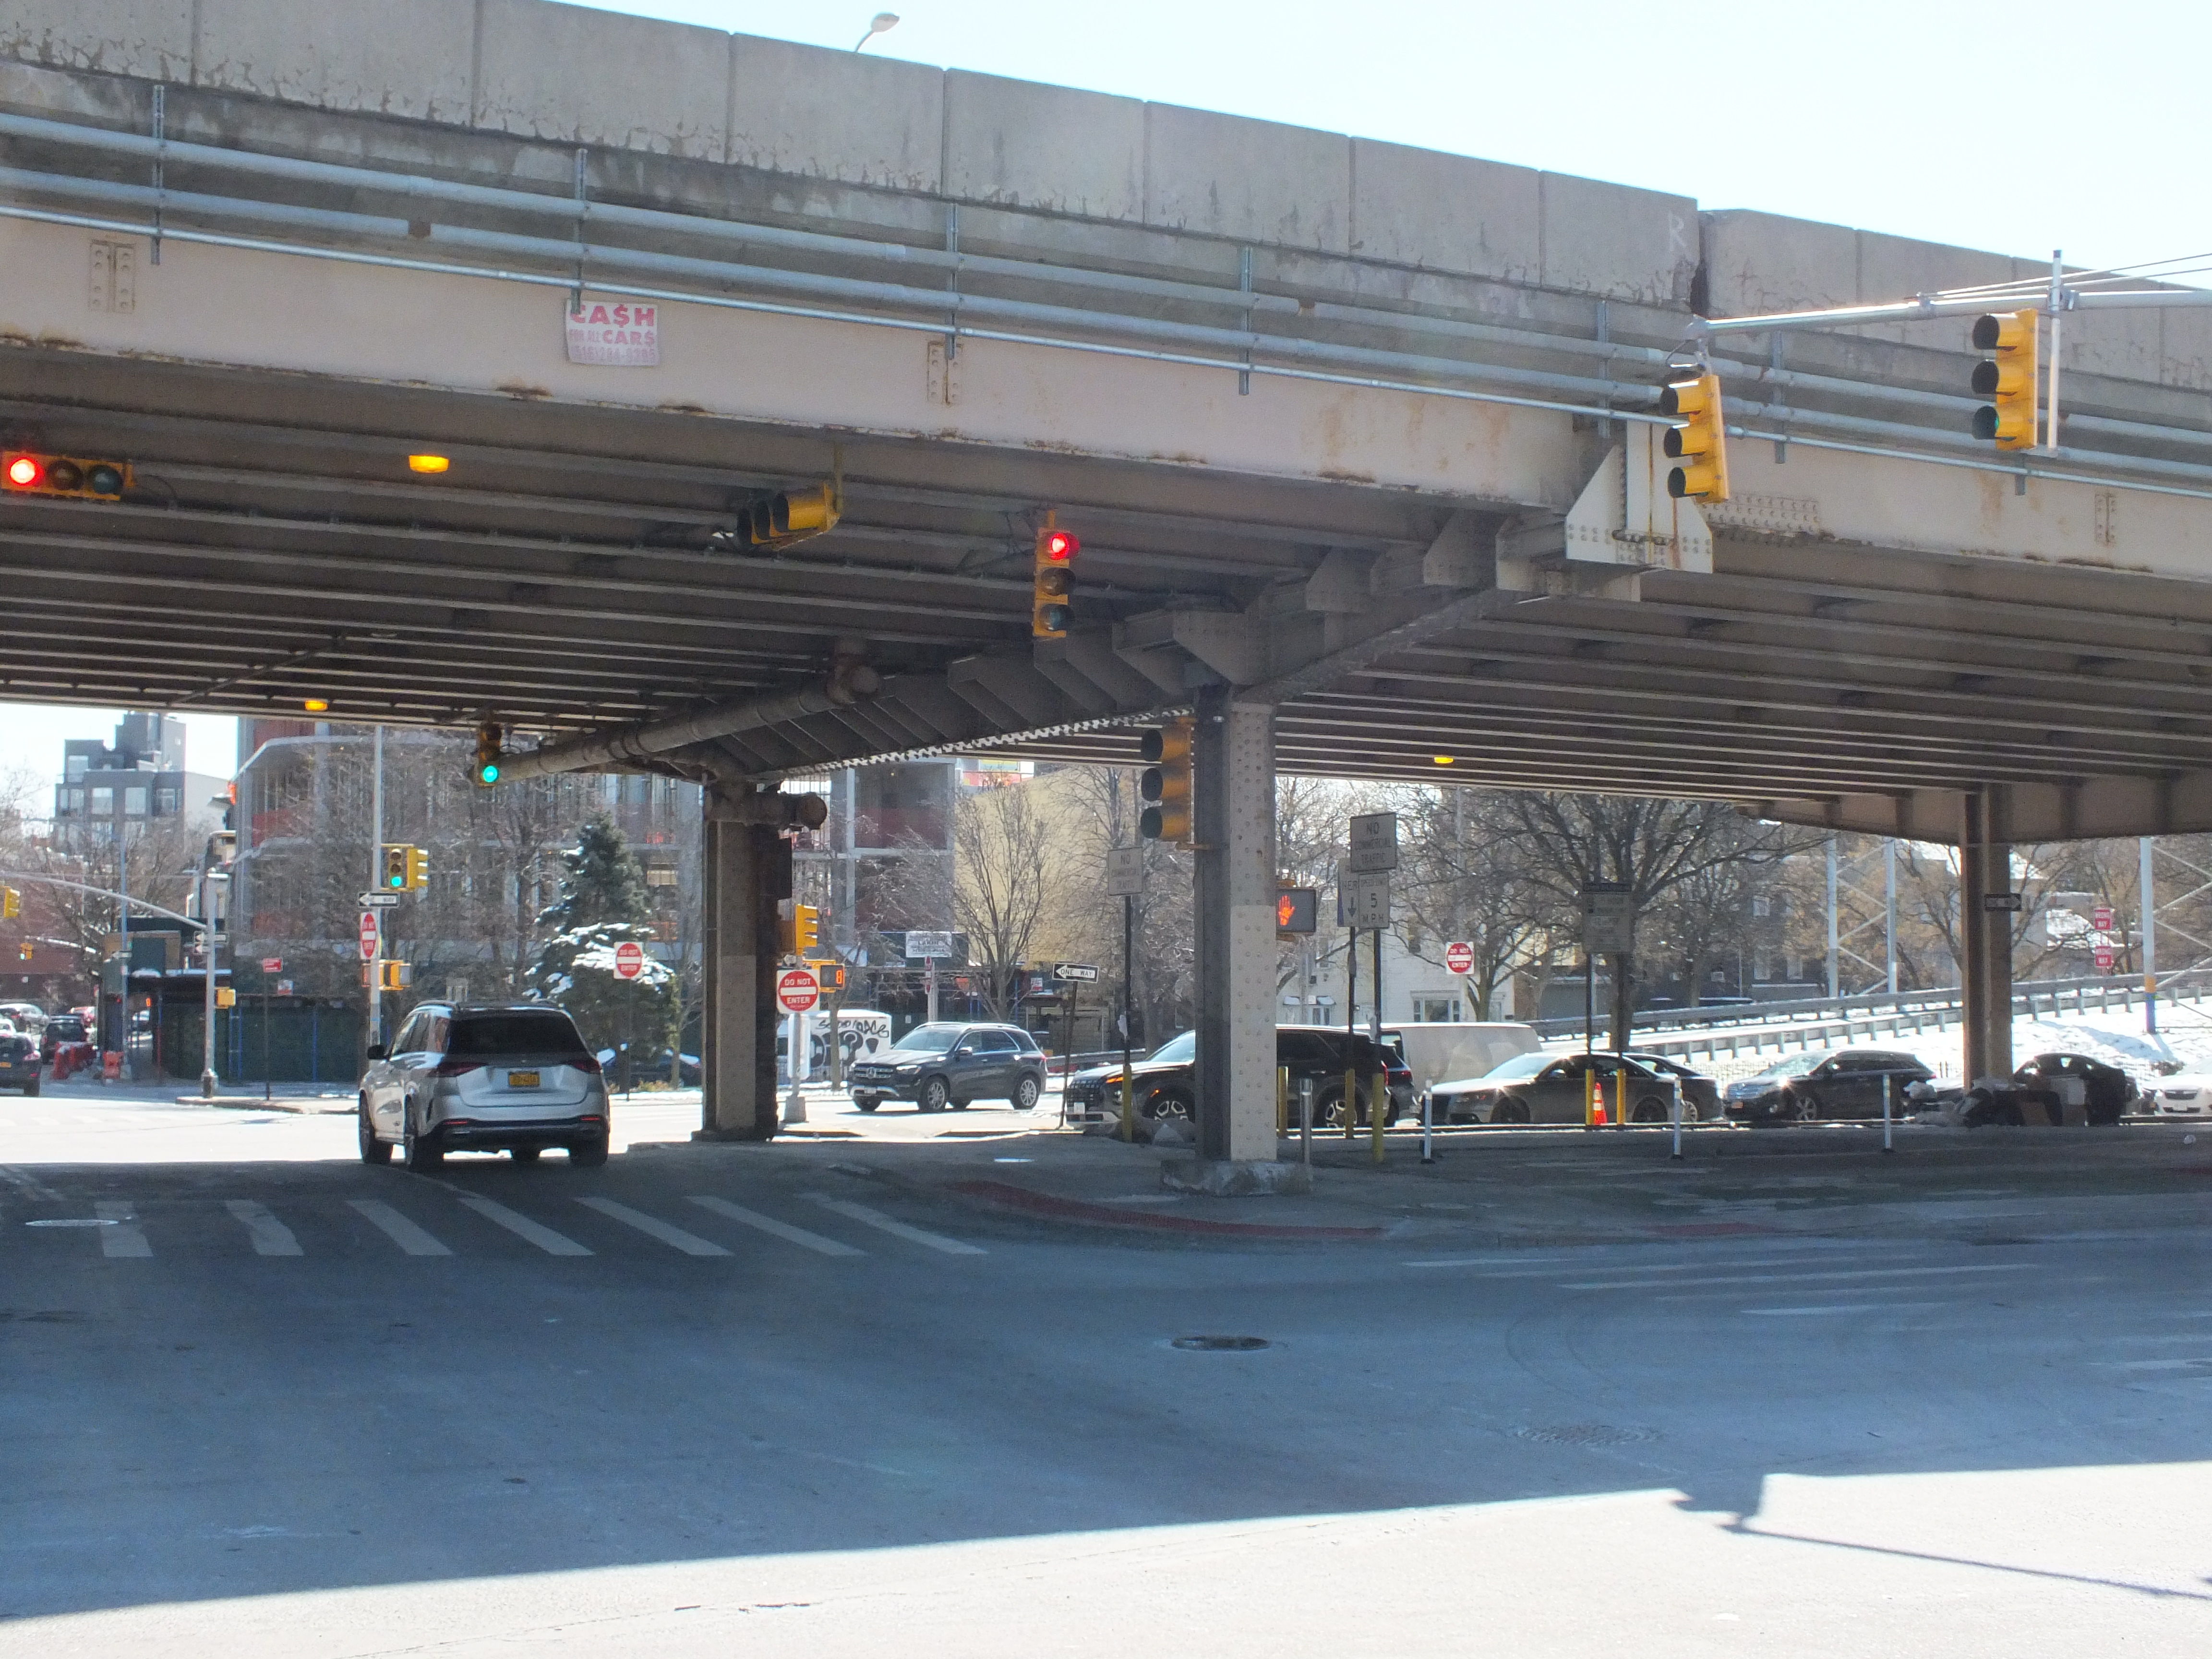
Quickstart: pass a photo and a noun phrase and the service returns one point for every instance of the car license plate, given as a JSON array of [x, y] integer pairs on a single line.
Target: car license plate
[[522, 1079]]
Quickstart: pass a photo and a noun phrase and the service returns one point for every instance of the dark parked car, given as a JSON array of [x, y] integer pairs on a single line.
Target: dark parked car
[[1165, 1083], [61, 1028], [2050, 1089], [1825, 1084], [1546, 1087], [19, 1063], [950, 1065]]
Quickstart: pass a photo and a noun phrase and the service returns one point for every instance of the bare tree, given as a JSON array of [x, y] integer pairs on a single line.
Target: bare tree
[[1466, 878], [1007, 876]]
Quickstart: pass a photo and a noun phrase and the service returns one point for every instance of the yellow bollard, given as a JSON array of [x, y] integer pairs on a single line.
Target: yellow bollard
[[1282, 1101], [1378, 1110], [1350, 1109], [1589, 1098], [1129, 1107]]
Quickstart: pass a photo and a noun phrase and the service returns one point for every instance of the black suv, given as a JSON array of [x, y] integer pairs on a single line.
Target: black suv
[[1164, 1084], [946, 1065], [1838, 1083]]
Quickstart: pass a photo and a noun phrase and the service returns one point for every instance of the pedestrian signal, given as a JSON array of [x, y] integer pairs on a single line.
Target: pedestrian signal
[[2008, 380], [1297, 910], [1167, 783], [1701, 442]]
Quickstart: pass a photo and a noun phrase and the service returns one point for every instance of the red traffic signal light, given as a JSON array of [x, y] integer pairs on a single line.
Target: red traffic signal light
[[75, 476], [1050, 611]]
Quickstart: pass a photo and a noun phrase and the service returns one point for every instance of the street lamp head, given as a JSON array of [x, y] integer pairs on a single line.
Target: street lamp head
[[879, 23]]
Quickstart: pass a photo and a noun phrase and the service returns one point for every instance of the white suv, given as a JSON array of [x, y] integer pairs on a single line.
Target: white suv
[[517, 1079]]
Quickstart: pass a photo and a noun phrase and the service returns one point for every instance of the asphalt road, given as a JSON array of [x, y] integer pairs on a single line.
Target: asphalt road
[[257, 1398]]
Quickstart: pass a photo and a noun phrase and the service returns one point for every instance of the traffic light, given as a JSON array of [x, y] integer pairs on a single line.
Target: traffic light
[[798, 928], [1166, 783], [225, 997], [2008, 380], [1701, 442], [490, 740], [405, 868], [1297, 910], [1049, 611], [394, 976], [11, 903], [74, 475], [790, 515], [24, 949]]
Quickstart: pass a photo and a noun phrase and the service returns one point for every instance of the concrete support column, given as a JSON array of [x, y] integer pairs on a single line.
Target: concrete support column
[[1234, 823], [1985, 945], [748, 870]]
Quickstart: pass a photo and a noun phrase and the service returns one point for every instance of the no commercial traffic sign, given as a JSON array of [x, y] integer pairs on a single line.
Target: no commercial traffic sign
[[629, 959], [1459, 957], [797, 990]]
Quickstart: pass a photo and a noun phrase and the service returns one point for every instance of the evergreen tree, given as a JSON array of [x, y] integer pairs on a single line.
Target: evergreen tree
[[603, 903]]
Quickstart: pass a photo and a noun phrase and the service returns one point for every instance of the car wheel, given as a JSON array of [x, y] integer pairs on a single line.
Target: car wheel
[[525, 1154], [419, 1151], [933, 1095], [588, 1154], [1168, 1103], [867, 1102], [1025, 1094], [1510, 1111], [1649, 1109], [373, 1151], [1800, 1109]]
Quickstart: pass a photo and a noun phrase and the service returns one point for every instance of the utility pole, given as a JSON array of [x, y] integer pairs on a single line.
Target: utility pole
[[123, 931], [1889, 903], [2147, 896], [1835, 979], [209, 876]]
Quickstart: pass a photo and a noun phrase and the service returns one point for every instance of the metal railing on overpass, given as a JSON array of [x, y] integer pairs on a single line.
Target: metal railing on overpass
[[1778, 1027]]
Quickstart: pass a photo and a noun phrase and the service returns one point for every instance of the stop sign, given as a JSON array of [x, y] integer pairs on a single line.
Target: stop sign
[[629, 959], [1459, 957], [797, 990]]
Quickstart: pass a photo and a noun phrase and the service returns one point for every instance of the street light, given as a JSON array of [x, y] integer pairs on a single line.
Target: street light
[[880, 22]]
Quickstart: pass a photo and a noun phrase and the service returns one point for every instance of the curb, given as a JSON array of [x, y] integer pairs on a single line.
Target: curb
[[1105, 1215], [297, 1108]]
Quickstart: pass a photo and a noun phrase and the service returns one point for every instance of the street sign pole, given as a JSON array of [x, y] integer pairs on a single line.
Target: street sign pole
[[1125, 876]]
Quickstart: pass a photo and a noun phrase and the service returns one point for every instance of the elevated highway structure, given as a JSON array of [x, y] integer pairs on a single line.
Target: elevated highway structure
[[1360, 442]]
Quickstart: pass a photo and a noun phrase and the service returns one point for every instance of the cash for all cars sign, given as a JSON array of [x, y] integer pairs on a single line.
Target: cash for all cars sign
[[614, 333]]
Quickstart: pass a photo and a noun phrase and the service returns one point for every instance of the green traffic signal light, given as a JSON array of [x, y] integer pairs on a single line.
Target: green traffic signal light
[[488, 773]]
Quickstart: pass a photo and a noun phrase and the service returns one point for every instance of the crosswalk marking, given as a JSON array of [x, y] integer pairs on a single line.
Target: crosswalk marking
[[775, 1229], [522, 1226], [877, 1219], [689, 1243], [398, 1228], [271, 1236], [124, 1238]]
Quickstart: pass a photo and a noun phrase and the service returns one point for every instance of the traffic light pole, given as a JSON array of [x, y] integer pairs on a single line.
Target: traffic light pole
[[375, 881], [207, 965]]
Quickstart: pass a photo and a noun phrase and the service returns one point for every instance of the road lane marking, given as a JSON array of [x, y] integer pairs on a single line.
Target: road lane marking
[[123, 1239], [271, 1236], [1508, 1267], [775, 1229], [2155, 1364], [398, 1228], [689, 1243], [523, 1227], [1840, 1307], [882, 1222], [1790, 1279]]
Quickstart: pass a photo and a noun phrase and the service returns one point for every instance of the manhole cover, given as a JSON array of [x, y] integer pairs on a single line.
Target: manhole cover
[[1587, 1434], [1220, 1344], [72, 1221]]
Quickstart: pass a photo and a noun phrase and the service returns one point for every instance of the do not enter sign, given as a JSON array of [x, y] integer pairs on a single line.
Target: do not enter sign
[[629, 959], [797, 990], [1459, 957]]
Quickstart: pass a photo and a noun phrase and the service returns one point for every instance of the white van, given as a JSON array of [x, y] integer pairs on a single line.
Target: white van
[[1443, 1050]]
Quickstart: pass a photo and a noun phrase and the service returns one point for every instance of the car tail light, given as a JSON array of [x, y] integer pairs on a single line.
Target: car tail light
[[457, 1067], [588, 1064]]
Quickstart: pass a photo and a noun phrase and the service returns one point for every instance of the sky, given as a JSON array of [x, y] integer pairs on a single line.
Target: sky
[[2018, 129]]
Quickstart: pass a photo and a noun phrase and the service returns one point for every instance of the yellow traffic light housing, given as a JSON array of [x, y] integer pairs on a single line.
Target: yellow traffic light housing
[[394, 976], [395, 869], [2008, 380], [1050, 611], [491, 746], [76, 477], [798, 928], [11, 902], [790, 515], [1700, 443], [1167, 783], [225, 997], [418, 868]]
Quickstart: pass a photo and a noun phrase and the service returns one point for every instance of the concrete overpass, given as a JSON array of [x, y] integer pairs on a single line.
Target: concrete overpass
[[1359, 440]]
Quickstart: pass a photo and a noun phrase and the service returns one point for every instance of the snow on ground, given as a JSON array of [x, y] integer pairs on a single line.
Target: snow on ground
[[2116, 1036]]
